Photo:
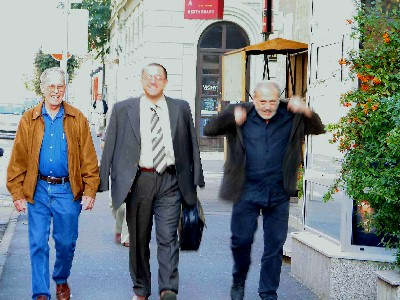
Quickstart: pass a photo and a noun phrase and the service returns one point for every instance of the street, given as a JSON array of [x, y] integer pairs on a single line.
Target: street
[[100, 268]]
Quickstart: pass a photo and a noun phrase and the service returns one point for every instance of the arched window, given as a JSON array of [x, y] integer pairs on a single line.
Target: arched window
[[223, 36]]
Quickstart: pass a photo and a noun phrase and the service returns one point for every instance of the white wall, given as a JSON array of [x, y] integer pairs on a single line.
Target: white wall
[[156, 31], [79, 89]]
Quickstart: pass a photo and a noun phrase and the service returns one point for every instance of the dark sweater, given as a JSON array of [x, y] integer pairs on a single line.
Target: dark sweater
[[265, 144], [236, 164]]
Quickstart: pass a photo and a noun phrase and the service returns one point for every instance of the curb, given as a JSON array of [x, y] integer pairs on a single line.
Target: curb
[[295, 222], [7, 238]]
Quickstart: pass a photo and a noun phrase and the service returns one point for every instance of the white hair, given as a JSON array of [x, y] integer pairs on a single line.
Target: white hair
[[45, 75], [268, 84]]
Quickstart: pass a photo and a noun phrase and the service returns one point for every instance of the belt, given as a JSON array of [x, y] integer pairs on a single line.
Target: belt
[[170, 169], [147, 170], [54, 180]]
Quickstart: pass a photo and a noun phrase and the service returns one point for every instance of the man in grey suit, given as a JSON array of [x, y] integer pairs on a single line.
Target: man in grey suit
[[152, 152]]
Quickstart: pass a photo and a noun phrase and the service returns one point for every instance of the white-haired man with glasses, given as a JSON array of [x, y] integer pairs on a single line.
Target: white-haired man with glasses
[[53, 168]]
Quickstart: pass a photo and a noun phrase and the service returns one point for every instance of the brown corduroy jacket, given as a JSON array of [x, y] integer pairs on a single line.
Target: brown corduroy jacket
[[22, 172]]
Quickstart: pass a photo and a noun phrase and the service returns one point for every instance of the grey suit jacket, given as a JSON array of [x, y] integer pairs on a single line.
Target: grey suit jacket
[[121, 152]]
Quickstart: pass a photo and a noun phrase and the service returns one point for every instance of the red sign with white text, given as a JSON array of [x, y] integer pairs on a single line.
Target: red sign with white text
[[204, 9], [267, 17]]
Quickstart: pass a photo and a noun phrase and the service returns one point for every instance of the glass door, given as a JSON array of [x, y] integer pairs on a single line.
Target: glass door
[[209, 96], [217, 39]]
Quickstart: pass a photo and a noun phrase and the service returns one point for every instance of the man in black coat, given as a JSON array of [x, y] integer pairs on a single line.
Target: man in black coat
[[152, 152], [260, 174]]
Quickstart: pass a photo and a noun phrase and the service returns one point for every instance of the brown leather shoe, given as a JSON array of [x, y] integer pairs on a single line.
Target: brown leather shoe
[[41, 297], [63, 292]]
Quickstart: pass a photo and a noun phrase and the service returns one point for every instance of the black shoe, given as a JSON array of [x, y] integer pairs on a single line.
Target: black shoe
[[268, 297], [237, 291], [168, 295]]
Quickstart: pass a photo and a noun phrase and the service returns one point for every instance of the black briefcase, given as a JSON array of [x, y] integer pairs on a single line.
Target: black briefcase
[[191, 227]]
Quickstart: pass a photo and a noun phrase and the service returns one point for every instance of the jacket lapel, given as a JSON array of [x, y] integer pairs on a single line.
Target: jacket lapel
[[134, 117], [296, 121], [240, 135], [248, 106], [173, 115]]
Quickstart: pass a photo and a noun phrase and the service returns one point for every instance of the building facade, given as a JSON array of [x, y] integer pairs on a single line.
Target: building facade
[[334, 256], [145, 31]]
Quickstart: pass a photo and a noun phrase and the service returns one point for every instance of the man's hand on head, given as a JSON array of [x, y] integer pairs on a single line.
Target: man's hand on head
[[20, 205], [87, 202], [240, 115], [297, 106]]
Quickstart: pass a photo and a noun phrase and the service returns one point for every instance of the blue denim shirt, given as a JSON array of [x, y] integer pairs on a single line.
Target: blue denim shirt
[[53, 158], [265, 145]]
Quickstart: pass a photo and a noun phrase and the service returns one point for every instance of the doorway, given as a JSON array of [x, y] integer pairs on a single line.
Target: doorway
[[216, 39]]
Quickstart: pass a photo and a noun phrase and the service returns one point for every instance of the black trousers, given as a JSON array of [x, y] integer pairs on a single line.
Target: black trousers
[[243, 226], [158, 195]]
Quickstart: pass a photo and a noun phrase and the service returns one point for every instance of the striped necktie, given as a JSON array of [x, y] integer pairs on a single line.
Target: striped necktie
[[159, 161]]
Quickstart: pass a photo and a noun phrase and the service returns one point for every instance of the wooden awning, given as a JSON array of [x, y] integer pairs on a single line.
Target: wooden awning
[[274, 46]]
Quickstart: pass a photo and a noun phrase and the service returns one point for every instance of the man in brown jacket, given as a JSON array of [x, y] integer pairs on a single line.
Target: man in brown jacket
[[54, 168]]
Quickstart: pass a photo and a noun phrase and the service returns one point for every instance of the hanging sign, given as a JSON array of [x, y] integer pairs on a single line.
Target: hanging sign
[[267, 17], [204, 9]]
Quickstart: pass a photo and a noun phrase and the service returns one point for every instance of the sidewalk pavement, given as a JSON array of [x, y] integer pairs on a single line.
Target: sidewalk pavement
[[213, 171], [8, 220]]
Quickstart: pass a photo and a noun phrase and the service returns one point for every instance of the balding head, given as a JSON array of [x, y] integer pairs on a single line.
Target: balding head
[[154, 80], [266, 98], [268, 84]]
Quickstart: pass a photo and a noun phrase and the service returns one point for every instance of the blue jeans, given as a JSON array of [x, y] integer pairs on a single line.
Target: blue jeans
[[243, 226], [52, 201]]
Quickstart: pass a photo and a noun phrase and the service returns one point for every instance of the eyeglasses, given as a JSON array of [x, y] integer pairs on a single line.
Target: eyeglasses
[[55, 87], [156, 77], [268, 101]]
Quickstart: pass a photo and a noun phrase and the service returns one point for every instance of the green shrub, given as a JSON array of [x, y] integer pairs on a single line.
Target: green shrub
[[45, 61], [369, 134]]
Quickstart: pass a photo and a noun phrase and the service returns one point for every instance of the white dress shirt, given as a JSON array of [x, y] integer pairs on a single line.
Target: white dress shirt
[[146, 149]]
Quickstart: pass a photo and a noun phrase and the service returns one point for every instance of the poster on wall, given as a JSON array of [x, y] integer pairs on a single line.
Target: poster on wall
[[209, 106], [204, 9]]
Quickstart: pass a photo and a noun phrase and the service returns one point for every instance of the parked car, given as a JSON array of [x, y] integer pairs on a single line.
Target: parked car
[[10, 115]]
